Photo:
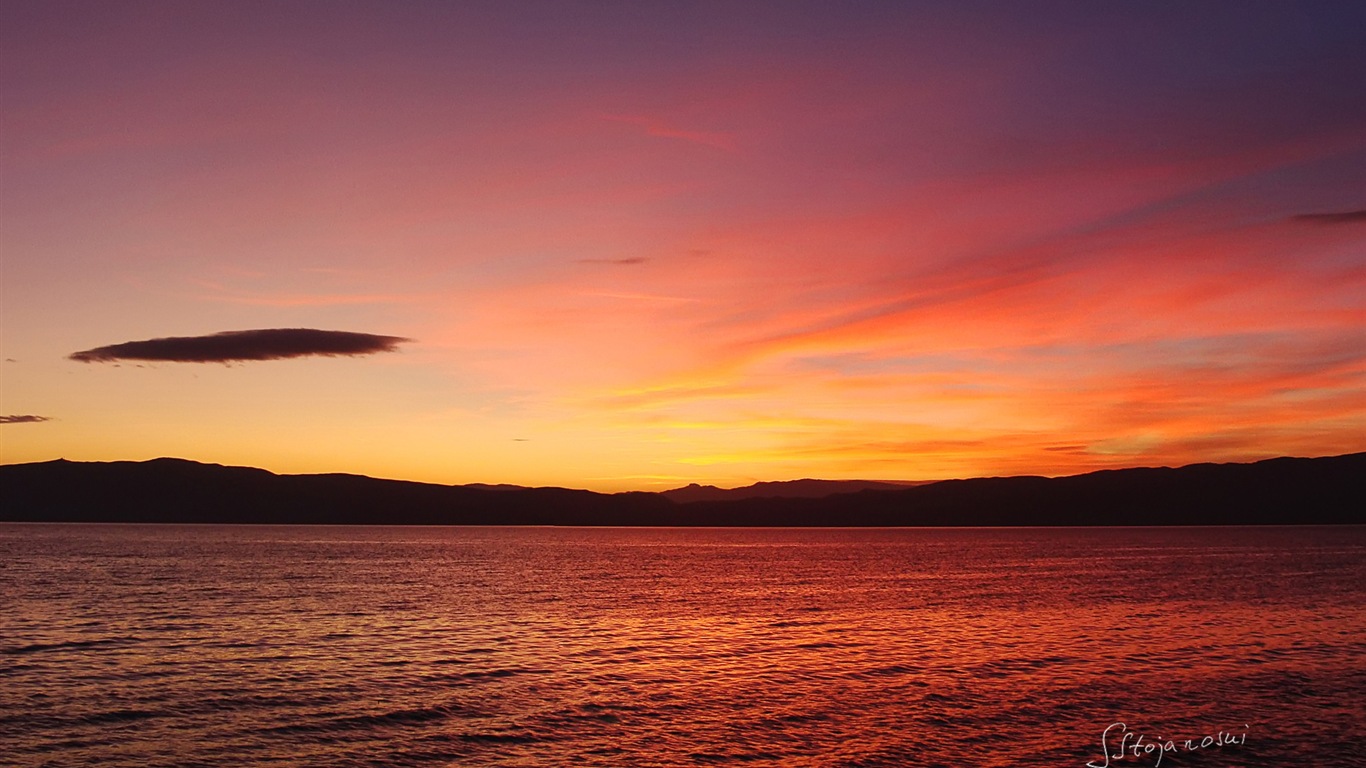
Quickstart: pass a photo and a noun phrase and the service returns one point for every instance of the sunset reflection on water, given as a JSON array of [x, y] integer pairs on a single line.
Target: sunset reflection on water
[[169, 645]]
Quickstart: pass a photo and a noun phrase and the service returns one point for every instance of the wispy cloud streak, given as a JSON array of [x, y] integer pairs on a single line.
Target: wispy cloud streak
[[1343, 217]]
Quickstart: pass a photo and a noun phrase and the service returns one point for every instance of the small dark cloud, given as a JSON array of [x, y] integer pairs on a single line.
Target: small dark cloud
[[1343, 217], [26, 418], [233, 346], [618, 262]]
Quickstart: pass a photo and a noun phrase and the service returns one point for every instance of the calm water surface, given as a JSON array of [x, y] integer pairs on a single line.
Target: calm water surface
[[301, 646]]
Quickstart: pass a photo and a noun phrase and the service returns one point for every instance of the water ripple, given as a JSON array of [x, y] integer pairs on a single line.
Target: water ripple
[[175, 646]]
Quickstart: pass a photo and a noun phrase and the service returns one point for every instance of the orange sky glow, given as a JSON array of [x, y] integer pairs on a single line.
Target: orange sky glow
[[642, 245]]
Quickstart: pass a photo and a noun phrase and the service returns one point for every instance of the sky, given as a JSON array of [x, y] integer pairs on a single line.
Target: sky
[[618, 245]]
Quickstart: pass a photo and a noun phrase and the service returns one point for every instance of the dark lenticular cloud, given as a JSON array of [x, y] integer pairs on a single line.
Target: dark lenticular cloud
[[233, 346], [1344, 217], [26, 418]]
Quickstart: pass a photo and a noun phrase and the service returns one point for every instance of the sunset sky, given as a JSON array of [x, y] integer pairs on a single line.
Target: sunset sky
[[636, 245]]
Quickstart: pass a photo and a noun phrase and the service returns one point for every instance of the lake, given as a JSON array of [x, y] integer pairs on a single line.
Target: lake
[[133, 645]]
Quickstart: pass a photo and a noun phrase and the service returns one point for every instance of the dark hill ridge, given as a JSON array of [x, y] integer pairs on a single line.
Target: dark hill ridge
[[175, 490], [792, 489], [1328, 490]]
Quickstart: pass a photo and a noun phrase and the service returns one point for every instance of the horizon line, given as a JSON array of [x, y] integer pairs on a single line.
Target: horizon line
[[906, 482]]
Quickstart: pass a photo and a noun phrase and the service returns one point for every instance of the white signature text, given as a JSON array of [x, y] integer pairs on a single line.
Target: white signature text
[[1118, 743]]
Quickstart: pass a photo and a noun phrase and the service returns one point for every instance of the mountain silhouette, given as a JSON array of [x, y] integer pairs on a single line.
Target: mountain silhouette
[[1284, 491], [793, 489]]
